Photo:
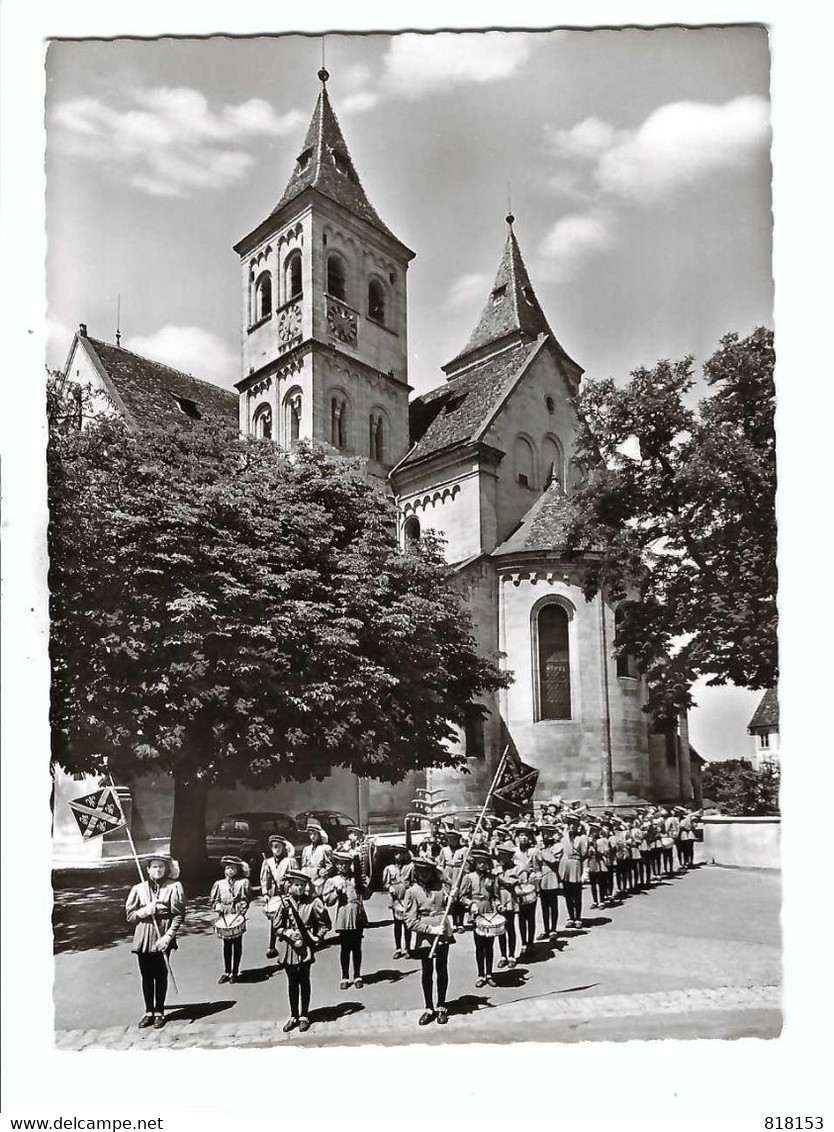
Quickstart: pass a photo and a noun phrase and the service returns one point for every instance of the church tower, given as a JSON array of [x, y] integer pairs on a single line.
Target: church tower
[[323, 314]]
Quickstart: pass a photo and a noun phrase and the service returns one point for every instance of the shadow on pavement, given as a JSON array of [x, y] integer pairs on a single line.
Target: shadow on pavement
[[595, 921], [467, 1004], [515, 977], [387, 976], [194, 1011], [338, 1010], [257, 974], [570, 990]]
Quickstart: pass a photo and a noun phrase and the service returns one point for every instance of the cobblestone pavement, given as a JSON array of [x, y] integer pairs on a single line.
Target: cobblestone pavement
[[698, 956]]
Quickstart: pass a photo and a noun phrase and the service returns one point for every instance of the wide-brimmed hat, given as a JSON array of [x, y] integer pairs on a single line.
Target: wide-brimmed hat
[[296, 876], [547, 830], [172, 868], [240, 865], [522, 827], [480, 855], [426, 865], [356, 829], [340, 857], [506, 847], [277, 839]]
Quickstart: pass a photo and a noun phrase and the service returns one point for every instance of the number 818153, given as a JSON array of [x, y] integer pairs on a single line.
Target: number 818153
[[779, 1123]]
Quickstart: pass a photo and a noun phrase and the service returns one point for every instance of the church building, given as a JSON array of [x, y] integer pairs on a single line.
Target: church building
[[485, 460]]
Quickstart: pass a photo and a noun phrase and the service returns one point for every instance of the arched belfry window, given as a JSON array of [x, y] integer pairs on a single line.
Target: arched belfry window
[[338, 421], [553, 462], [262, 422], [553, 634], [336, 277], [292, 276], [263, 296], [376, 301], [411, 531]]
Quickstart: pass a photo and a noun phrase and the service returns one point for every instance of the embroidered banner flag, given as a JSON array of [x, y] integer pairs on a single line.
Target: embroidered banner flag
[[517, 783], [98, 813]]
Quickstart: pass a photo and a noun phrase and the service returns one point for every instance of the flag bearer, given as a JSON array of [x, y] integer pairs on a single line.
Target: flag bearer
[[300, 925], [157, 908], [425, 907]]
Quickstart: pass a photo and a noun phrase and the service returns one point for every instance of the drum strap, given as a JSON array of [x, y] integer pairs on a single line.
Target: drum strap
[[302, 927]]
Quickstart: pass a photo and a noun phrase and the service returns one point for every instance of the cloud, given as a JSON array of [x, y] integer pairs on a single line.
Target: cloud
[[416, 65], [465, 290], [168, 141], [358, 102], [192, 349], [678, 145], [572, 239], [685, 142]]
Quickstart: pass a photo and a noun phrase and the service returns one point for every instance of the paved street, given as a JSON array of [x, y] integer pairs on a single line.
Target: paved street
[[698, 956]]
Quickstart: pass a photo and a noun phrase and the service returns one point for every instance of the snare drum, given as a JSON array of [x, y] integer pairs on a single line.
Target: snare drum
[[527, 894], [490, 924], [230, 925]]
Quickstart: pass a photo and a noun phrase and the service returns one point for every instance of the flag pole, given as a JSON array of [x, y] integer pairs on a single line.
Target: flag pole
[[475, 831], [141, 874]]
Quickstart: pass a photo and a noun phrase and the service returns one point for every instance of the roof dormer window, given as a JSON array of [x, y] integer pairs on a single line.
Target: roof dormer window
[[187, 406], [304, 159], [498, 295], [529, 297], [342, 163]]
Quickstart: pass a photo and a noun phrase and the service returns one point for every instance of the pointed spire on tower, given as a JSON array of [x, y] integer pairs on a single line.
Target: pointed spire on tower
[[512, 311], [325, 164]]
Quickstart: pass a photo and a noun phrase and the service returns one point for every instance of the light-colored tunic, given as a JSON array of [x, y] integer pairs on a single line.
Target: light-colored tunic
[[141, 898], [273, 873], [342, 895]]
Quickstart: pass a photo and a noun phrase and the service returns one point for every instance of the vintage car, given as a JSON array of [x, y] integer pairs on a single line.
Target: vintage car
[[246, 835]]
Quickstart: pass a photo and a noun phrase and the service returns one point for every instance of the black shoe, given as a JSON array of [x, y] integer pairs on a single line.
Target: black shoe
[[303, 1024], [490, 981], [442, 1015], [227, 978], [290, 1024], [158, 1021], [426, 1017], [234, 978], [145, 1021]]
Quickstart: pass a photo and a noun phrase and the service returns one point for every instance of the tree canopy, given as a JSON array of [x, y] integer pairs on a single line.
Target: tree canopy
[[679, 503], [738, 789], [229, 614]]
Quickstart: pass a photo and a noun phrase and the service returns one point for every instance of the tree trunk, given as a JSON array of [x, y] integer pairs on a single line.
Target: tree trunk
[[188, 831]]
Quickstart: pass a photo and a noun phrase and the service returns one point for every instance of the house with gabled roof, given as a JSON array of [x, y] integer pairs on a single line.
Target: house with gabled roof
[[764, 727]]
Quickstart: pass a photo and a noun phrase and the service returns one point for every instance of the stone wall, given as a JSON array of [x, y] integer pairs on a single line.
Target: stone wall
[[746, 843]]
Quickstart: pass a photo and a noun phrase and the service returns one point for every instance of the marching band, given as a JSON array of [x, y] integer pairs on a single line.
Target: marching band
[[492, 880]]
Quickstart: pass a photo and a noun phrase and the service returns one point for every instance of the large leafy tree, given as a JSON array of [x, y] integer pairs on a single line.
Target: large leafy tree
[[228, 614], [679, 503], [738, 789]]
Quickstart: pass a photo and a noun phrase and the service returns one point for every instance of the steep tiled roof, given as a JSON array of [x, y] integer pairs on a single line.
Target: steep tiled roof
[[325, 164], [545, 526], [512, 306], [766, 714], [150, 391], [455, 412]]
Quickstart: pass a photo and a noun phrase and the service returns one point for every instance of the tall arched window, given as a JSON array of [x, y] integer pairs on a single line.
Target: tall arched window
[[263, 296], [338, 421], [525, 467], [292, 276], [411, 531], [292, 409], [336, 277], [376, 447], [553, 625], [376, 301], [262, 422], [553, 462]]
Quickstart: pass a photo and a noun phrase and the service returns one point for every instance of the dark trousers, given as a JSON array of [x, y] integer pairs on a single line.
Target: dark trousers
[[550, 909], [437, 967], [508, 939], [573, 899], [646, 867], [401, 935], [655, 858], [350, 947], [597, 886], [527, 924], [298, 988], [668, 859], [232, 952], [154, 973], [623, 877], [484, 953]]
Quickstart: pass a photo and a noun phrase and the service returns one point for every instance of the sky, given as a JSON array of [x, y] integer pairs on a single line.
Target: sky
[[636, 162]]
